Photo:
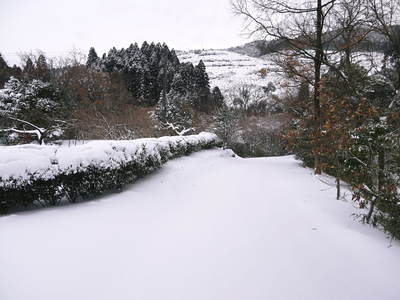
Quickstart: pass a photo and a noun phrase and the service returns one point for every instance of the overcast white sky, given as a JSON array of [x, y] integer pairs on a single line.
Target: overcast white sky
[[57, 26]]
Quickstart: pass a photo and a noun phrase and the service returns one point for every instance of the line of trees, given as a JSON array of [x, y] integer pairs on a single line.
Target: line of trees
[[109, 97], [344, 117], [30, 106], [151, 70], [126, 94]]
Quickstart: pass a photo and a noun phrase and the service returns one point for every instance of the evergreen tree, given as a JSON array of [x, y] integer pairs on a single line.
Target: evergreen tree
[[3, 63], [173, 58], [187, 73], [4, 71], [29, 70], [372, 171], [42, 69], [145, 49], [152, 48], [217, 97], [155, 85], [150, 71], [227, 125], [144, 86], [176, 114], [110, 62], [92, 59], [31, 108], [201, 77], [202, 87], [179, 85], [16, 72]]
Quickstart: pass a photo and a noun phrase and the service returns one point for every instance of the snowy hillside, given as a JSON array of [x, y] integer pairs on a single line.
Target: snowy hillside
[[206, 227], [228, 69]]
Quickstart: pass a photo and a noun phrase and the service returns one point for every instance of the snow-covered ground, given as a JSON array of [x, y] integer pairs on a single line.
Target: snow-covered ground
[[228, 69], [208, 226]]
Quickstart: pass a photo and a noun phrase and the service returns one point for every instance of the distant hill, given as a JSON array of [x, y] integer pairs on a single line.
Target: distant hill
[[243, 65], [254, 64], [253, 49], [374, 42]]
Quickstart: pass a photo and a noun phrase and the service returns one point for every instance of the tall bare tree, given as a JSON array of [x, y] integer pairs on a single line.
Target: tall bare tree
[[301, 28], [307, 32], [385, 19]]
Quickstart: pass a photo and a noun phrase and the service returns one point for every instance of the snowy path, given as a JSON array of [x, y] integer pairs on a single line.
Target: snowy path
[[204, 227]]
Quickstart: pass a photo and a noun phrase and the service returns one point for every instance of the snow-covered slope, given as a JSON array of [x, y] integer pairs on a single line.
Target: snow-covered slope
[[209, 226], [228, 69]]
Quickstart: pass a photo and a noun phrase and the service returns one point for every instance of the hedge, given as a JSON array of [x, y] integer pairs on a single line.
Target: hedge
[[47, 175]]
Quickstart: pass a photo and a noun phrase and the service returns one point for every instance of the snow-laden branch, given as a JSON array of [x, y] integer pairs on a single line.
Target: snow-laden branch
[[35, 131], [38, 131], [42, 130], [177, 130]]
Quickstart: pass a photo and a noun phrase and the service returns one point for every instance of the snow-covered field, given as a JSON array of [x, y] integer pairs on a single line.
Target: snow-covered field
[[228, 69], [208, 226]]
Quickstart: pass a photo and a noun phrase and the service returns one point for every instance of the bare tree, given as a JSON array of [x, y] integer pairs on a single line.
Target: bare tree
[[351, 17], [301, 28], [385, 19], [384, 16], [306, 32]]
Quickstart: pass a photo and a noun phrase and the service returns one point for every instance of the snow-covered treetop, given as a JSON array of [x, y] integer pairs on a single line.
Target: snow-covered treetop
[[18, 96]]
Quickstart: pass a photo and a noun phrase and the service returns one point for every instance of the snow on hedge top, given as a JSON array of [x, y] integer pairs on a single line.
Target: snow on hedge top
[[29, 162]]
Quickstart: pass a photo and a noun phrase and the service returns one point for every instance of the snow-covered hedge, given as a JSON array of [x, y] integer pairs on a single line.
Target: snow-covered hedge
[[45, 175]]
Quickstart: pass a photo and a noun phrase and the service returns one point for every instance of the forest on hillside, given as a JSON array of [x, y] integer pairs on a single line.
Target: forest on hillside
[[126, 93], [131, 93]]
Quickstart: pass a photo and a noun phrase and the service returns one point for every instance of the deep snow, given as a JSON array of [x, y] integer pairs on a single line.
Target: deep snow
[[207, 226], [21, 163]]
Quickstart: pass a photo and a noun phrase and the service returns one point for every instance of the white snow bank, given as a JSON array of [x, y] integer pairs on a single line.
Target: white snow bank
[[29, 162]]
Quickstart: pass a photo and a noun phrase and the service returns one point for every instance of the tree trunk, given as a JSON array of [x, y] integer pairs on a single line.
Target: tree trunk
[[381, 168], [381, 183], [371, 209], [337, 188], [41, 141], [164, 89], [317, 80]]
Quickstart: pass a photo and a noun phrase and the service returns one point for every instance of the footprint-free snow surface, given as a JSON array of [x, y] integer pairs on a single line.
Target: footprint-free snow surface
[[204, 227]]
